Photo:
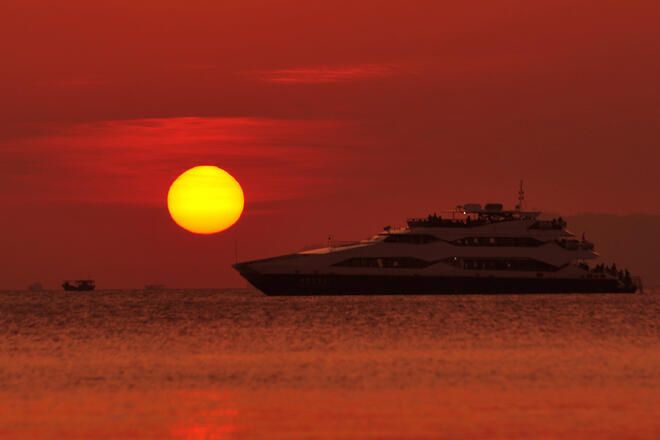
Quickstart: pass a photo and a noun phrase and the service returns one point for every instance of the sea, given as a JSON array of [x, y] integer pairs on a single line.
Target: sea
[[235, 364]]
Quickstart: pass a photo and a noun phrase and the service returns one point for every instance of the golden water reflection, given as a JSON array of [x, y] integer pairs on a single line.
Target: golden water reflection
[[207, 416]]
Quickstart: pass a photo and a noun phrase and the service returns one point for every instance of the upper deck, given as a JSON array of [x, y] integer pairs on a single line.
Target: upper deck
[[472, 215]]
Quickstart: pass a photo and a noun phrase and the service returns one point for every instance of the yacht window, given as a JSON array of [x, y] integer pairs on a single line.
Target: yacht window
[[522, 264], [384, 262], [410, 238], [498, 241]]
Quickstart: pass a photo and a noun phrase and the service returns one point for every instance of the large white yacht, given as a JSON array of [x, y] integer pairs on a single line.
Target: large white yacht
[[473, 249]]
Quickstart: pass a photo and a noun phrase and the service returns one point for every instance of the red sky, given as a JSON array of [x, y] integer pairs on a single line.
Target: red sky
[[336, 117]]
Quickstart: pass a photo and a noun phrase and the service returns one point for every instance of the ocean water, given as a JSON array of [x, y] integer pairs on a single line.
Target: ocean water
[[235, 364]]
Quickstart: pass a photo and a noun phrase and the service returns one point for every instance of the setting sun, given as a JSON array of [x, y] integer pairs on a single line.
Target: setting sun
[[205, 200]]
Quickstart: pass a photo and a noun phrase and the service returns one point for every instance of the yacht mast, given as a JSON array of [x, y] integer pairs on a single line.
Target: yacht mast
[[521, 197]]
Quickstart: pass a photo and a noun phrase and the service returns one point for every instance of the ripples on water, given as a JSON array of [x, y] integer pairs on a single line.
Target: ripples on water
[[236, 364]]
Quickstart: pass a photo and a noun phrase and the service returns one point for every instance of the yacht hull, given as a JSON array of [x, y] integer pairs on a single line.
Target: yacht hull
[[78, 289], [333, 284]]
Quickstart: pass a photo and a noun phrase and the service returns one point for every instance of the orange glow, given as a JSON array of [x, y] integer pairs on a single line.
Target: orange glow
[[205, 200]]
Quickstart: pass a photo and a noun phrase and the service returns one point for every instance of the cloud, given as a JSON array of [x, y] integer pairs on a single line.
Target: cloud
[[134, 161], [73, 83], [326, 74]]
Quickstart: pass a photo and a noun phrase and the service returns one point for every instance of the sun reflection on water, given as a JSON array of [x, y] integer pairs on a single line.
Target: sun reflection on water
[[208, 416]]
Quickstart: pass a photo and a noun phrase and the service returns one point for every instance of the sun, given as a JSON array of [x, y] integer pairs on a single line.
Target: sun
[[205, 200]]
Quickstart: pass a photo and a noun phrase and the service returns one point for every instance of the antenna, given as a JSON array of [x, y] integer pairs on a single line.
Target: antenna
[[521, 197]]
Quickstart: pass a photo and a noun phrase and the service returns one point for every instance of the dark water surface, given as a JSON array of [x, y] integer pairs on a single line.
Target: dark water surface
[[236, 364]]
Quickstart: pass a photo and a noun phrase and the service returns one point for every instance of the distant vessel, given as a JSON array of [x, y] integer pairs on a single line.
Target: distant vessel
[[474, 250], [35, 287], [154, 287], [79, 285]]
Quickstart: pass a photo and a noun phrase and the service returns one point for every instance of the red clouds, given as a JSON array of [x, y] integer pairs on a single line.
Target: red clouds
[[134, 161], [327, 74]]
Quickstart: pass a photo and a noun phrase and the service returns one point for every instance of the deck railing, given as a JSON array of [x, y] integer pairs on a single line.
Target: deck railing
[[341, 243]]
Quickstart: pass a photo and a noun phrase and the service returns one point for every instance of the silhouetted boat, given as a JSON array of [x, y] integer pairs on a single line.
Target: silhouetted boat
[[472, 250], [35, 287], [79, 285], [154, 287]]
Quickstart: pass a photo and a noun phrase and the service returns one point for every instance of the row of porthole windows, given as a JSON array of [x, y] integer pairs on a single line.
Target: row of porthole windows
[[468, 241], [498, 241], [410, 238], [312, 281], [384, 262], [525, 264]]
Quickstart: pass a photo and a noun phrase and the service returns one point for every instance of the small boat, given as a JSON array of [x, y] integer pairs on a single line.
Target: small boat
[[154, 287], [35, 287], [79, 285]]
